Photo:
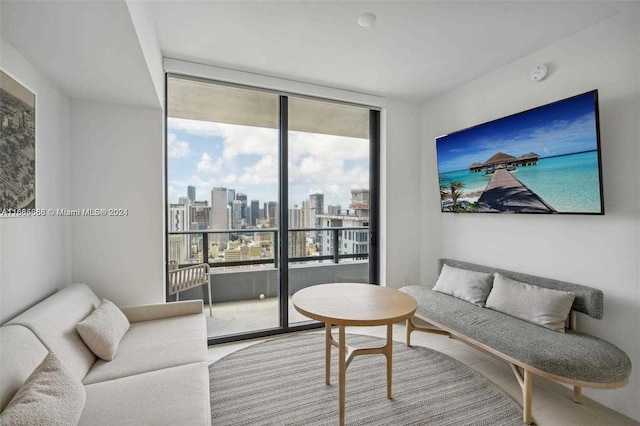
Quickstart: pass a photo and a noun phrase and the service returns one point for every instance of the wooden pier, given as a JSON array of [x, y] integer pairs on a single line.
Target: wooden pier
[[505, 193]]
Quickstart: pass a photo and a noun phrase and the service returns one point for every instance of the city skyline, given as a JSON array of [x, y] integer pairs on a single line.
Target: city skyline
[[205, 155]]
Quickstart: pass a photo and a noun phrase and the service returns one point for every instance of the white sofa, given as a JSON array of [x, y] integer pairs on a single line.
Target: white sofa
[[159, 376]]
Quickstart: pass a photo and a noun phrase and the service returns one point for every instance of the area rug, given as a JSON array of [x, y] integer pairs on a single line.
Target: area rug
[[281, 382]]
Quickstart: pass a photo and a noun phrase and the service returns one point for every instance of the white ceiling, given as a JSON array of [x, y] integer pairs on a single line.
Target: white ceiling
[[90, 49], [415, 50]]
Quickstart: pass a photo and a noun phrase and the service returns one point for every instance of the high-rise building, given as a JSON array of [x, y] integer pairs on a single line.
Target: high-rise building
[[357, 215], [178, 217], [191, 193], [199, 214], [316, 202], [297, 243], [334, 209], [297, 239], [272, 213], [218, 216], [236, 214], [255, 212], [296, 219], [183, 200], [178, 244], [316, 207], [231, 195], [243, 212]]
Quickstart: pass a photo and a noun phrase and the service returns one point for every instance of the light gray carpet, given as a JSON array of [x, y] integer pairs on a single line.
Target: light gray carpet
[[281, 382]]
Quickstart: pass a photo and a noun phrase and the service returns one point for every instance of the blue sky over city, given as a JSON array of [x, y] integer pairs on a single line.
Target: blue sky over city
[[245, 158], [561, 128]]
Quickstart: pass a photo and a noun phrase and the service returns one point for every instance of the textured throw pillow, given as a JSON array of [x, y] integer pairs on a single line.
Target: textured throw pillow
[[474, 287], [50, 396], [538, 305], [103, 330]]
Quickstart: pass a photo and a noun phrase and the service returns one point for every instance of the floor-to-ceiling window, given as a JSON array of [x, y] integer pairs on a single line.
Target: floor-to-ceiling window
[[274, 191]]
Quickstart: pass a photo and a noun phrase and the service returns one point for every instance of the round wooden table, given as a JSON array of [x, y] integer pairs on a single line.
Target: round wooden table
[[351, 304]]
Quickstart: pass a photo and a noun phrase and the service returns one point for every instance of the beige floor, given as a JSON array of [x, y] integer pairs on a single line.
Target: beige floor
[[552, 402]]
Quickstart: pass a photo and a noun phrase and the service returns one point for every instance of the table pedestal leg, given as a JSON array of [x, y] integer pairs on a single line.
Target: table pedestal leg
[[342, 368], [388, 350], [327, 353]]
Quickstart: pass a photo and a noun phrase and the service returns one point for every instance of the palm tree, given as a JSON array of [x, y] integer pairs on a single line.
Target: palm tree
[[455, 190], [444, 193]]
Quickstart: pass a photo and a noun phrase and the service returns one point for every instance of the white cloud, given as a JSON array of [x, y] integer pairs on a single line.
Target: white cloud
[[177, 148], [207, 165], [327, 147], [333, 165], [263, 172]]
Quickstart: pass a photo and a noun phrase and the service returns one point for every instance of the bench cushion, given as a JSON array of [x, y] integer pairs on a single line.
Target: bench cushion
[[587, 300], [154, 345], [171, 396], [573, 355]]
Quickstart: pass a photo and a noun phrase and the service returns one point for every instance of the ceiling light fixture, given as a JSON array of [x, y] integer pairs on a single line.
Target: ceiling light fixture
[[367, 20]]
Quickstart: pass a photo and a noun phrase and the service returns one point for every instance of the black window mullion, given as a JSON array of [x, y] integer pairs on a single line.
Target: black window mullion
[[374, 195], [283, 200]]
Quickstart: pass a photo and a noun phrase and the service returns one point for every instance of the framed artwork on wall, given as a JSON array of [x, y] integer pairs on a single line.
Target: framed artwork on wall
[[17, 148]]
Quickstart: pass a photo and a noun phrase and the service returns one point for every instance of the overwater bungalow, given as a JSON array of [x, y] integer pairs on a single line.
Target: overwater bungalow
[[502, 160], [530, 159]]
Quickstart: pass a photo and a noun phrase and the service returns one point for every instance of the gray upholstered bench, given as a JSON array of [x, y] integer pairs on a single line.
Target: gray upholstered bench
[[572, 357]]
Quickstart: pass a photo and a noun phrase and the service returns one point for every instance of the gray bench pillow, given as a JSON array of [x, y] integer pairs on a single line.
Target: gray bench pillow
[[538, 305], [472, 286]]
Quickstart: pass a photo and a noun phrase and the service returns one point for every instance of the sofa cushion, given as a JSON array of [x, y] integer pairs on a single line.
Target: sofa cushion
[[54, 322], [537, 305], [172, 396], [472, 286], [103, 330], [51, 395], [572, 354], [20, 353], [151, 345]]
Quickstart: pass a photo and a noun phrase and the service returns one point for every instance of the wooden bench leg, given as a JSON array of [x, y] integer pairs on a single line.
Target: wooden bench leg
[[527, 389], [577, 394], [410, 328]]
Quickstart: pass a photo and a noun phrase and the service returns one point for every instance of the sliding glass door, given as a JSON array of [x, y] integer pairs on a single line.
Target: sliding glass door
[[275, 192], [328, 194]]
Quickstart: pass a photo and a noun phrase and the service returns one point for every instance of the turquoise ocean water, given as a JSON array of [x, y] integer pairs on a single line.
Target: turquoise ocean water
[[568, 183]]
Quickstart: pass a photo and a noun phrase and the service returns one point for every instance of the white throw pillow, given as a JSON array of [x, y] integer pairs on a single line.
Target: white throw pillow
[[538, 305], [103, 330], [472, 286], [51, 395]]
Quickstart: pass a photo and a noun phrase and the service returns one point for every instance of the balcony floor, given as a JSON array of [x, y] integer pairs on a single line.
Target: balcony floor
[[247, 316]]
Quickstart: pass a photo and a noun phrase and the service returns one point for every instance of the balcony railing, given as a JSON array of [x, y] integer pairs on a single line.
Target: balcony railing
[[334, 257]]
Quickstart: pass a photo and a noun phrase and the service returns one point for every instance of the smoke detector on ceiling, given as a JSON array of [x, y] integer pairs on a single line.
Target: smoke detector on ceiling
[[539, 73], [367, 20]]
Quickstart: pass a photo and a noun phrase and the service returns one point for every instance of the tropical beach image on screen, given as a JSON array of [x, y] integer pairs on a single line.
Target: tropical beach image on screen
[[545, 160]]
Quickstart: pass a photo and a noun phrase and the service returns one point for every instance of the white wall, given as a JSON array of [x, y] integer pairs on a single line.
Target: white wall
[[400, 212], [35, 256], [142, 19], [598, 251], [116, 162]]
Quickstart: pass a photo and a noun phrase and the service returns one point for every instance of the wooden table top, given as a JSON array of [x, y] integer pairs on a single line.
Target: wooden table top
[[354, 304]]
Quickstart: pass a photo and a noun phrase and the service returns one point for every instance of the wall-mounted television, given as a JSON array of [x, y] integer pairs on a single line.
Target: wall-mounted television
[[545, 160]]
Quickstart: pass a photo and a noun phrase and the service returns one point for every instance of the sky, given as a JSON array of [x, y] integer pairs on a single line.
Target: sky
[[244, 158], [561, 128]]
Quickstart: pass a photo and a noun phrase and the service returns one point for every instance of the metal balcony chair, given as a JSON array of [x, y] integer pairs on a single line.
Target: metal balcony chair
[[185, 278]]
